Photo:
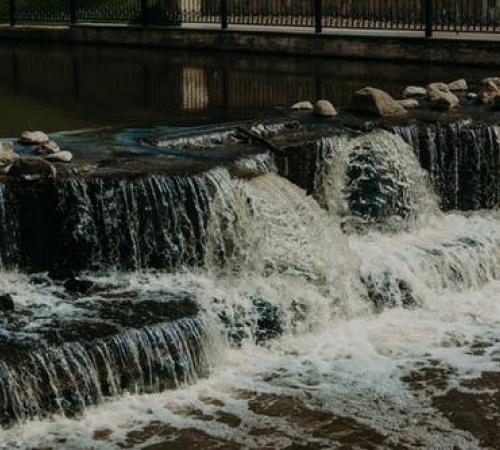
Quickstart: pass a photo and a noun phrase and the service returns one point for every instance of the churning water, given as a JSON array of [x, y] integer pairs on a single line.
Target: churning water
[[343, 319]]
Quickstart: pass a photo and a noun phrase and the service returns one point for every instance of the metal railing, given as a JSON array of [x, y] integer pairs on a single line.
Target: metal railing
[[404, 15]]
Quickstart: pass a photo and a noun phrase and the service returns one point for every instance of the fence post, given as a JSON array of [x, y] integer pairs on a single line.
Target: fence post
[[12, 12], [318, 16], [144, 13], [429, 18], [72, 11], [223, 14]]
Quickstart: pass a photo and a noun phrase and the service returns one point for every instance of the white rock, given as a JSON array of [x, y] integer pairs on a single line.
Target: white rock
[[472, 95], [441, 97], [409, 103], [414, 91], [64, 157], [34, 137], [7, 155], [305, 105], [259, 130], [324, 108], [490, 89], [458, 85], [48, 148], [376, 102]]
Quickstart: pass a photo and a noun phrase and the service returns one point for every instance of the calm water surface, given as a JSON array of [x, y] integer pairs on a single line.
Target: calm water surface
[[60, 88]]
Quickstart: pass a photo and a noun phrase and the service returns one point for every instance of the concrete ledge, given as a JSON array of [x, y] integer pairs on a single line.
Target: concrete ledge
[[392, 47]]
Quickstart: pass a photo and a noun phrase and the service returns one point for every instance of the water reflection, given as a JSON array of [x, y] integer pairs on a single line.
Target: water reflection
[[58, 88]]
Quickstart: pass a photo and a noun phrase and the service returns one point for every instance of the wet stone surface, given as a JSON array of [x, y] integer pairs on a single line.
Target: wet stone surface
[[74, 350], [108, 312]]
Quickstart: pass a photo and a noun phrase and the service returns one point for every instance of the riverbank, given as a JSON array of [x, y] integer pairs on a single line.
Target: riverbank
[[445, 48]]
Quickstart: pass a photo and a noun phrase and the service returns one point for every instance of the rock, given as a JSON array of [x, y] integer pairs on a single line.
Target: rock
[[32, 169], [7, 155], [441, 97], [490, 89], [471, 95], [305, 105], [48, 148], [375, 101], [414, 91], [409, 103], [64, 157], [34, 137], [458, 85], [258, 130], [324, 108], [79, 286], [6, 302]]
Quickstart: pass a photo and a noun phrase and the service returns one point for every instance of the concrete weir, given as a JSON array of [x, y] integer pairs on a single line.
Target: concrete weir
[[393, 46], [147, 203]]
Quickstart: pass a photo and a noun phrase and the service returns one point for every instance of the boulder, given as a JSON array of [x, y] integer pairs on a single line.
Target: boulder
[[441, 97], [409, 103], [324, 108], [34, 137], [7, 154], [305, 105], [32, 169], [375, 101], [414, 91], [6, 302], [490, 89], [458, 85], [63, 157], [48, 148], [471, 95], [80, 286]]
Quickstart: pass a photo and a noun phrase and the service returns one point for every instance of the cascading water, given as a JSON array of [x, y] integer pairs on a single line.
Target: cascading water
[[68, 378], [374, 180], [462, 159], [318, 315]]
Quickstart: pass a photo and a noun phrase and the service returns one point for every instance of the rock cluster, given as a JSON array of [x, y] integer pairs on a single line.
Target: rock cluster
[[446, 96], [36, 166], [44, 146]]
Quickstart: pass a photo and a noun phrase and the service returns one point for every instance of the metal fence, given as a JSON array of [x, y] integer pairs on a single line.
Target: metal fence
[[405, 15]]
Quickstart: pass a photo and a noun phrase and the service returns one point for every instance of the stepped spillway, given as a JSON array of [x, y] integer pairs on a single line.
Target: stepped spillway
[[263, 274]]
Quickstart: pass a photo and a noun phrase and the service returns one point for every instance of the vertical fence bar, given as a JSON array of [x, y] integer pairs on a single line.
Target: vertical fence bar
[[318, 16], [429, 18], [12, 12], [223, 14], [144, 13], [72, 12]]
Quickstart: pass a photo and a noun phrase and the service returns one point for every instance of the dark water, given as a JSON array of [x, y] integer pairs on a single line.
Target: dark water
[[60, 88]]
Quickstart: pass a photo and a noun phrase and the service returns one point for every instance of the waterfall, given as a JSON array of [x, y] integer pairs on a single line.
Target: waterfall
[[447, 253], [374, 180], [266, 252], [9, 229], [462, 158], [149, 222], [65, 379], [127, 224]]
